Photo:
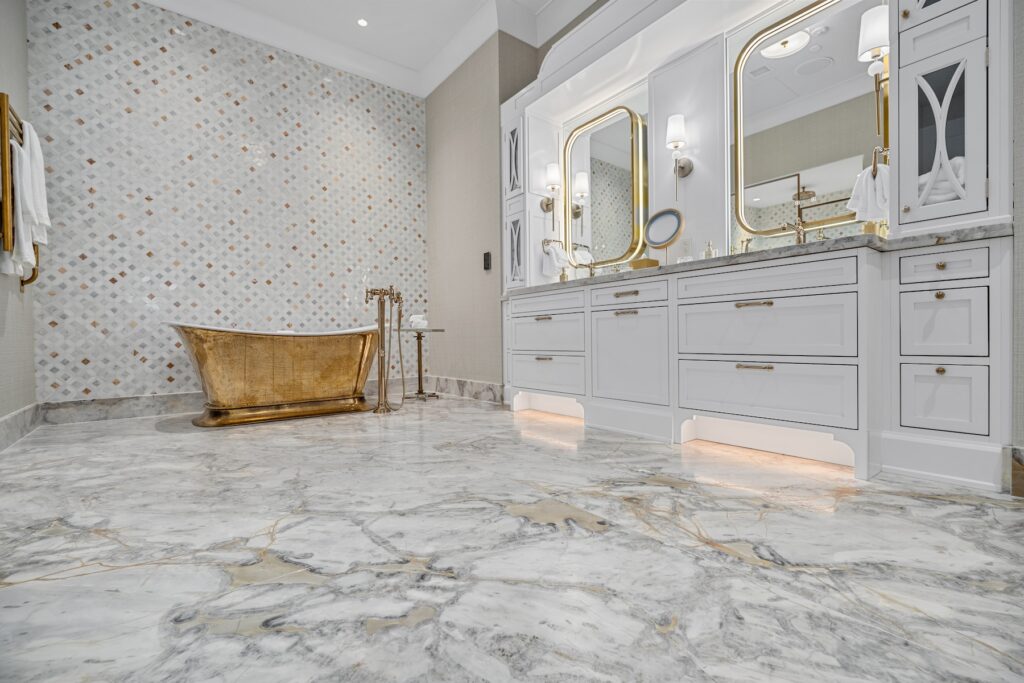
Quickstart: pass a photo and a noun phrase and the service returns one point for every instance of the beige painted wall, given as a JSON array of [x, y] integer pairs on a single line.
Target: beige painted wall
[[464, 207], [811, 140], [16, 341], [1018, 241]]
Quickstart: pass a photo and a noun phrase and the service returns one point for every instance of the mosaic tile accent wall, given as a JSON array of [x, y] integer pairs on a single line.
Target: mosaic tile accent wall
[[197, 175], [612, 201]]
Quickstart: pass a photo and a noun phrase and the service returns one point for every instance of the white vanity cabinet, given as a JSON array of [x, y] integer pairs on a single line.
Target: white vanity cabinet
[[880, 360]]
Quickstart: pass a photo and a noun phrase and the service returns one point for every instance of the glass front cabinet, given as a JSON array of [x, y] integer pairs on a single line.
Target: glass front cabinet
[[945, 122]]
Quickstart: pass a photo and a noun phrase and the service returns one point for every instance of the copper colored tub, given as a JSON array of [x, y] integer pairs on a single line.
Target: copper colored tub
[[260, 376]]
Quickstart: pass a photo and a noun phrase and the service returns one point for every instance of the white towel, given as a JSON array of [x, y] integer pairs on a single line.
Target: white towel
[[36, 178], [583, 257], [418, 321], [23, 259], [870, 196], [554, 260], [943, 190]]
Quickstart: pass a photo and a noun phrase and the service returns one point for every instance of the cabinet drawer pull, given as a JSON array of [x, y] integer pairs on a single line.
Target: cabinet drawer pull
[[629, 312], [543, 358], [632, 292], [940, 371], [748, 366], [905, 14], [749, 304], [941, 265], [940, 295], [542, 318]]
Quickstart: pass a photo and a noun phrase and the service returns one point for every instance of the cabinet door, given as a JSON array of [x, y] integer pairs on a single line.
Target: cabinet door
[[914, 12], [515, 250], [943, 135], [948, 398], [512, 160], [630, 354]]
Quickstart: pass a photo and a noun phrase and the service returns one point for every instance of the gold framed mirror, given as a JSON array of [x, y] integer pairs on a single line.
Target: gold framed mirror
[[809, 117], [604, 190]]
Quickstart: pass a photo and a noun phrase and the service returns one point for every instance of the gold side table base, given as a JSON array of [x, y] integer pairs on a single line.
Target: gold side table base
[[420, 393], [222, 417]]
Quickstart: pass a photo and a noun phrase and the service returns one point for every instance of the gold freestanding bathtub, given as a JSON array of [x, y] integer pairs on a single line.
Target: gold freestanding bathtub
[[259, 376]]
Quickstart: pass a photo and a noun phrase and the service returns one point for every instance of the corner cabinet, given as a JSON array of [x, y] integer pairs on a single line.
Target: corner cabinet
[[952, 122], [513, 234]]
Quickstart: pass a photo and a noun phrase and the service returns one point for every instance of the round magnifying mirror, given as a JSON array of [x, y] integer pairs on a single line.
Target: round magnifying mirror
[[663, 229]]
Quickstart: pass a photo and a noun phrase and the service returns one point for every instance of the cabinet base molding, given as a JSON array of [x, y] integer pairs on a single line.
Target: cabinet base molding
[[950, 461], [545, 403], [800, 443], [646, 421]]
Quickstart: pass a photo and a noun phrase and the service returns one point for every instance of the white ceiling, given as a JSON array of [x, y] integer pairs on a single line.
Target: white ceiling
[[412, 45]]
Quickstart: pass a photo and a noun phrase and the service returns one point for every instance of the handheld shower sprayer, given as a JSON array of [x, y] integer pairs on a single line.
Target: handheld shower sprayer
[[394, 299]]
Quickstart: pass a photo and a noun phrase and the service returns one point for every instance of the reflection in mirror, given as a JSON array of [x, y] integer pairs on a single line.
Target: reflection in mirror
[[809, 126], [607, 187]]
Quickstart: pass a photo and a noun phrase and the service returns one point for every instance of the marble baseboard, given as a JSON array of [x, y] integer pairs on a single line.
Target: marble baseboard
[[20, 423], [465, 388], [118, 408]]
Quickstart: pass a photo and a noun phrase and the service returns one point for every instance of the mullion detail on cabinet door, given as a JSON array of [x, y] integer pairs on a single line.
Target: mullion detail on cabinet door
[[944, 155]]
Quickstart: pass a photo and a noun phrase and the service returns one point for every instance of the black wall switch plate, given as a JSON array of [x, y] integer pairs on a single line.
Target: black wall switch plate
[[487, 260]]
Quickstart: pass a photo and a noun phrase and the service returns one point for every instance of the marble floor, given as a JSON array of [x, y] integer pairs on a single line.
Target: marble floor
[[456, 541]]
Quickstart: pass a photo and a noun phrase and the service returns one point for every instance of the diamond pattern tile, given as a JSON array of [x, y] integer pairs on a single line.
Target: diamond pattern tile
[[196, 175]]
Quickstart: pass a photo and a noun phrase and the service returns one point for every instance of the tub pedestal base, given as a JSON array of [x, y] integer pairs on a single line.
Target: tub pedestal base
[[222, 417]]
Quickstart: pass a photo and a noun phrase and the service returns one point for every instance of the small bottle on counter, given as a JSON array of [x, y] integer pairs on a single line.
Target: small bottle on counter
[[709, 251]]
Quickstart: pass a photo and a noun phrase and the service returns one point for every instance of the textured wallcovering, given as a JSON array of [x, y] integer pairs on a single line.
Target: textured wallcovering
[[197, 175], [1018, 238]]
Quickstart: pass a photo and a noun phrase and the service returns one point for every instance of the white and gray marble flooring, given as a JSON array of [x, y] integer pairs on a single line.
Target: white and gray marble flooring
[[456, 541]]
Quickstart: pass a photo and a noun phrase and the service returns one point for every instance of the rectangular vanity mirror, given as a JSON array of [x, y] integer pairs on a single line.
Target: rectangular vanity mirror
[[605, 195], [808, 119]]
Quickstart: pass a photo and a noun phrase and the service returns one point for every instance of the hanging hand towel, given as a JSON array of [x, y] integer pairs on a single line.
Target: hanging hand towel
[[36, 177], [583, 256], [554, 260], [870, 196], [23, 259]]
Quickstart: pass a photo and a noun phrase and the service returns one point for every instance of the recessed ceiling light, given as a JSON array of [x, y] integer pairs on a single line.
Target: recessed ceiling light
[[789, 45], [363, 22]]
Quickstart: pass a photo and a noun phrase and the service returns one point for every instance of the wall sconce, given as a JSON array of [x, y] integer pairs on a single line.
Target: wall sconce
[[675, 140], [552, 183], [580, 192], [873, 45]]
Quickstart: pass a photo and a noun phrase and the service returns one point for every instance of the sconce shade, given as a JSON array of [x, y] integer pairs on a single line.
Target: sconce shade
[[552, 177], [874, 34], [675, 133], [581, 185]]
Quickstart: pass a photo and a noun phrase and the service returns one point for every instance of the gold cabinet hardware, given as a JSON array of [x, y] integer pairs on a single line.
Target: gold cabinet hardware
[[905, 14], [543, 358], [906, 208], [629, 312], [941, 265], [632, 292], [940, 371], [750, 304], [940, 295], [750, 366], [542, 318]]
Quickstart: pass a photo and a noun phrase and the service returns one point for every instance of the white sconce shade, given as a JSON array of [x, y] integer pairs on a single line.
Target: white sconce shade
[[552, 177], [581, 185], [874, 34], [675, 133]]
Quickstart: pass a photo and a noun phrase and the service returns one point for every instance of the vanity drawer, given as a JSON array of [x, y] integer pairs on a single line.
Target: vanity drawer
[[812, 325], [558, 374], [550, 332], [948, 398], [948, 265], [826, 273], [823, 395], [526, 305], [944, 322], [632, 293], [630, 359]]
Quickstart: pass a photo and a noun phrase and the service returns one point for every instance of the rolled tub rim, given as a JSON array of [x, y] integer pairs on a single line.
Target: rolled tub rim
[[274, 333]]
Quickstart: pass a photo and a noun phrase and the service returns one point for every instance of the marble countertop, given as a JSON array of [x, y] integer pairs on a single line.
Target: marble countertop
[[842, 243]]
